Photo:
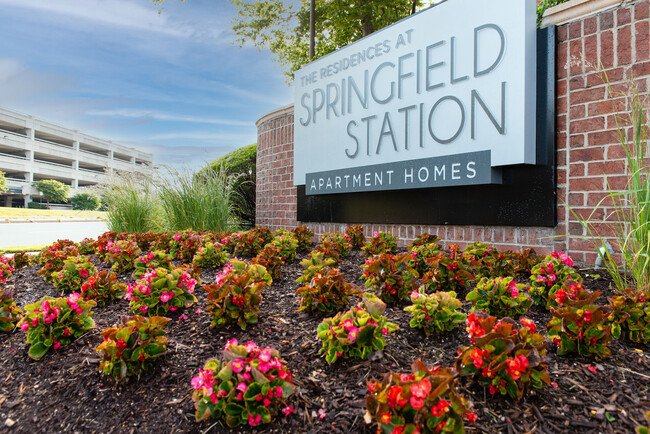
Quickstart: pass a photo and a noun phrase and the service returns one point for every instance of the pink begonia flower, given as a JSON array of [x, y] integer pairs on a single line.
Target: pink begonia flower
[[242, 387], [198, 311], [24, 326], [266, 402], [35, 322], [173, 308], [56, 345], [321, 414], [250, 346], [83, 272], [144, 308], [265, 356], [231, 342], [287, 410], [384, 331], [183, 317], [246, 376], [237, 365], [166, 296], [278, 392], [552, 277], [177, 237], [254, 420], [352, 335]]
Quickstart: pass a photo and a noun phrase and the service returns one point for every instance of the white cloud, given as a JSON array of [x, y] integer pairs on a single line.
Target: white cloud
[[153, 115], [238, 139]]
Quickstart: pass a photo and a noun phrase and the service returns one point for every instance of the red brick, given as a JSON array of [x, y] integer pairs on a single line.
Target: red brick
[[575, 51], [576, 229], [606, 107], [607, 49], [577, 111], [587, 184], [560, 123], [602, 138], [591, 49], [617, 183], [562, 33], [587, 154], [640, 69], [606, 168], [641, 10], [624, 45], [590, 25], [599, 199], [575, 30], [577, 169], [623, 16], [561, 177], [606, 20], [576, 199], [562, 59], [560, 158], [588, 95], [576, 140], [577, 83], [561, 105], [615, 152], [641, 30], [587, 125]]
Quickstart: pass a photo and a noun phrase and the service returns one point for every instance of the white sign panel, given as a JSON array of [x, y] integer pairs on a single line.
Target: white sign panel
[[455, 80]]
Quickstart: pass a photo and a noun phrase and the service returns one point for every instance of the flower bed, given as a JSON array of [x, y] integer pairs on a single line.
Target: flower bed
[[331, 397]]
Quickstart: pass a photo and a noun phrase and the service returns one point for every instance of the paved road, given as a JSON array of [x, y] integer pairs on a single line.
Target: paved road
[[27, 234]]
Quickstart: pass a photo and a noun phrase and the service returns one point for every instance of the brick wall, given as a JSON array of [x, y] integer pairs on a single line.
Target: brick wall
[[589, 155]]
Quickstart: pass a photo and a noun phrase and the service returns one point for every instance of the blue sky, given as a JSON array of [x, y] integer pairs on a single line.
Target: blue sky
[[170, 83]]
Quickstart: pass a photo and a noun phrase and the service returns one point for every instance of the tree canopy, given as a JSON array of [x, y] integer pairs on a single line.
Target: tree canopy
[[281, 28], [53, 190], [3, 182], [85, 201]]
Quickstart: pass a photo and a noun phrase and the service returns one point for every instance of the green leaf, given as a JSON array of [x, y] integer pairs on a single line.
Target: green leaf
[[234, 410], [37, 350]]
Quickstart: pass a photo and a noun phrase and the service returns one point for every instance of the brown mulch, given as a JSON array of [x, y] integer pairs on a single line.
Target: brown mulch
[[65, 391]]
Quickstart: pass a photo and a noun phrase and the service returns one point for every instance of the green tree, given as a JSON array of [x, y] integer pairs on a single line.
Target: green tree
[[241, 163], [276, 25], [53, 190], [3, 182], [85, 201]]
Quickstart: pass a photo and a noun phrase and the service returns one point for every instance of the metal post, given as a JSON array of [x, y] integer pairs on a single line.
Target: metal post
[[312, 30]]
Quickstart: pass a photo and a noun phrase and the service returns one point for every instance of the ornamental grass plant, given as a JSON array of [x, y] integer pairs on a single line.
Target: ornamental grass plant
[[630, 208], [202, 201]]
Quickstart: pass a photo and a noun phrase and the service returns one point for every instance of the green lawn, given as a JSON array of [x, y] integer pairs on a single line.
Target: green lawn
[[28, 214]]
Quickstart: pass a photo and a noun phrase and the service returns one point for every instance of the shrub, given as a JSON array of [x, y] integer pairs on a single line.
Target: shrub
[[326, 290], [102, 288], [581, 327], [248, 386], [419, 256], [286, 246], [315, 264], [357, 332], [435, 313], [240, 165], [162, 291], [6, 268], [247, 243], [303, 236], [338, 240], [237, 293], [122, 255], [390, 277], [210, 255], [184, 245], [85, 201], [36, 205], [52, 322], [425, 401], [505, 356], [549, 276], [269, 258], [53, 190], [75, 271], [447, 273], [150, 261], [101, 242], [329, 250], [381, 242], [631, 316], [21, 259], [53, 260], [355, 237], [9, 312], [131, 203], [423, 240], [86, 246], [131, 348], [501, 296]]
